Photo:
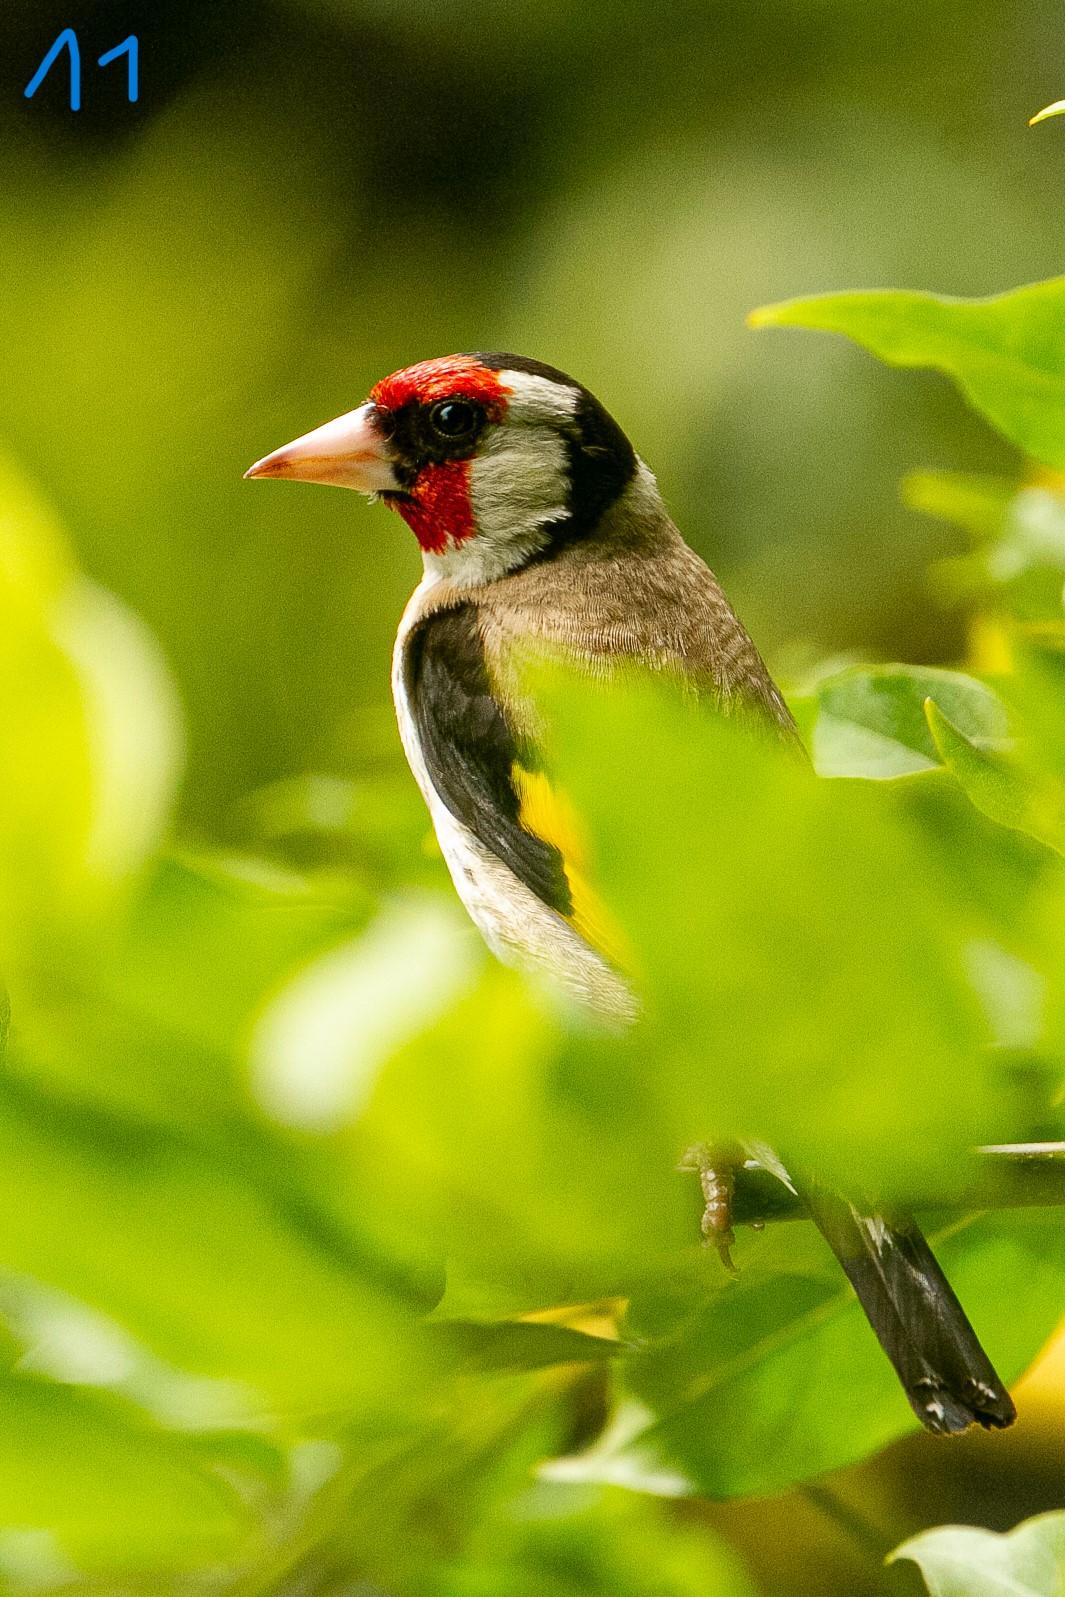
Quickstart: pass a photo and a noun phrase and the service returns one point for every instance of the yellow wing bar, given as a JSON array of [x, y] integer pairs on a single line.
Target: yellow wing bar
[[550, 815]]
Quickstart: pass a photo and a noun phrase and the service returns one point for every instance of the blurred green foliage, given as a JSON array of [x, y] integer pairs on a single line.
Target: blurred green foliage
[[287, 1166], [334, 1258]]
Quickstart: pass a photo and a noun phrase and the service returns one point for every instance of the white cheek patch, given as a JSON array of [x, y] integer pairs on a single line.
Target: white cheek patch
[[518, 487], [519, 480], [534, 399]]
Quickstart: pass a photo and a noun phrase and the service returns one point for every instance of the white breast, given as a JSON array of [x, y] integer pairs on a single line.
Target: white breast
[[518, 927]]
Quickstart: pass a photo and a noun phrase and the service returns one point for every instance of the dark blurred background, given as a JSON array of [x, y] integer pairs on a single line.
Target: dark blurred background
[[310, 193]]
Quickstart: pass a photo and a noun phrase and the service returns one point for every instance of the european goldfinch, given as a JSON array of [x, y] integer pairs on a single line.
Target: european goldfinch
[[539, 524]]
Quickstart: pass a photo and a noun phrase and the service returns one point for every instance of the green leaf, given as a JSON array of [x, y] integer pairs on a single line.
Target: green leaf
[[35, 563], [392, 1512], [1018, 534], [1035, 691], [375, 827], [810, 984], [561, 1541], [799, 913], [159, 1022], [977, 503], [195, 916], [870, 720], [320, 1045], [964, 1561], [1006, 353], [1000, 790], [1032, 541], [88, 1485], [89, 736], [203, 1263], [1032, 538], [519, 1344], [560, 1189], [787, 1347]]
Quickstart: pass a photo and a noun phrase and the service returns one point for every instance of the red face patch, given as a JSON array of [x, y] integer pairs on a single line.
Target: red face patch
[[445, 378], [437, 508], [437, 504]]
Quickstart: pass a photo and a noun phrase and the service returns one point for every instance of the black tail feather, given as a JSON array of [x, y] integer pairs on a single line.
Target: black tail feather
[[948, 1378]]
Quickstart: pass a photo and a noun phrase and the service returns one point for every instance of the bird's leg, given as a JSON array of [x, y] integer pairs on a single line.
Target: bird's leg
[[716, 1167]]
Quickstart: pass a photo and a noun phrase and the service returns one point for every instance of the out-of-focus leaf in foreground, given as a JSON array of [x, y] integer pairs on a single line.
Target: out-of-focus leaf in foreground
[[1016, 565], [556, 1541], [977, 502], [786, 1346], [805, 972], [89, 1486], [199, 1260], [533, 1160], [964, 1561], [1006, 353], [88, 732], [1019, 527]]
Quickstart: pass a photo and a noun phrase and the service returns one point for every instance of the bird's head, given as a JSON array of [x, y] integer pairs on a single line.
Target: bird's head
[[492, 460]]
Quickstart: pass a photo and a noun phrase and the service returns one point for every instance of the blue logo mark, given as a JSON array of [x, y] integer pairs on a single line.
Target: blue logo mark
[[68, 40]]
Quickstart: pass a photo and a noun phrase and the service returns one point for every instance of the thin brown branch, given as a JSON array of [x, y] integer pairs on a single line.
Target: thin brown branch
[[1011, 1175]]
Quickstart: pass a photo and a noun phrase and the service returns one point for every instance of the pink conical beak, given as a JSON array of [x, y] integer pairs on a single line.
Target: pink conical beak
[[349, 452]]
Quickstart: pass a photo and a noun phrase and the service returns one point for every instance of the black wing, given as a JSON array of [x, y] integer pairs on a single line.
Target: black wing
[[470, 750]]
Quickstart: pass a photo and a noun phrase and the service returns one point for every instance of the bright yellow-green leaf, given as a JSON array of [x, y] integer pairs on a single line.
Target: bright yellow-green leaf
[[35, 563], [89, 735], [1006, 353], [976, 502], [776, 918], [1056, 109], [215, 1271], [550, 1180], [87, 1484], [567, 1541], [1017, 562]]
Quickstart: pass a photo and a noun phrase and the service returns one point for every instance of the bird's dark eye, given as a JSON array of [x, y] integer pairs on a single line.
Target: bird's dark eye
[[453, 418]]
